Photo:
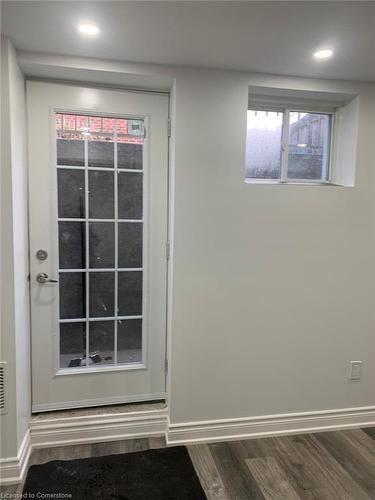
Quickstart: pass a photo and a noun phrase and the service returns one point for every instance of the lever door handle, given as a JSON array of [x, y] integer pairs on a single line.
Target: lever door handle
[[43, 278]]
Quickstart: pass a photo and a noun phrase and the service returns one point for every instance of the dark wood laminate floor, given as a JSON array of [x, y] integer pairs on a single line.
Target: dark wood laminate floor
[[326, 466]]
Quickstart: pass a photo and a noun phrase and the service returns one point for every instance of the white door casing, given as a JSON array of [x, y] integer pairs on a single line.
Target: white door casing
[[52, 386]]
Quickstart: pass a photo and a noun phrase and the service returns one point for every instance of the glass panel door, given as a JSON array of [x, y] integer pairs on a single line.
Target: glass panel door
[[100, 188], [98, 196]]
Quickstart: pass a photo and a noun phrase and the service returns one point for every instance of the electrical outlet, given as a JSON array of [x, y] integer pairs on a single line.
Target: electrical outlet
[[355, 370]]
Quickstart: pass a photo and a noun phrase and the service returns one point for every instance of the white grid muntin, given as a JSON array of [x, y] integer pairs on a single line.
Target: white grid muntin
[[87, 270], [102, 270], [87, 256], [115, 343], [102, 318], [106, 169], [88, 219]]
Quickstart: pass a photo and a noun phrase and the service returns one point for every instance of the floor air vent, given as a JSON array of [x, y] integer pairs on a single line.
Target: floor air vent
[[2, 387]]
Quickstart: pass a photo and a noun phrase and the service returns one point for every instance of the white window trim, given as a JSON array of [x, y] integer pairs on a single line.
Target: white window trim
[[272, 107], [284, 147]]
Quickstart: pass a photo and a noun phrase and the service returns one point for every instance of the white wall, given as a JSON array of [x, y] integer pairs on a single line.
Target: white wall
[[15, 342], [273, 285]]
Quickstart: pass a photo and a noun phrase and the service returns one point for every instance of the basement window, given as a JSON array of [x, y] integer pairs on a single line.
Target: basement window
[[288, 146]]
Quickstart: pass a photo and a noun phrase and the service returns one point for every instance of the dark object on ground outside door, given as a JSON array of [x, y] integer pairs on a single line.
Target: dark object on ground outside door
[[74, 362], [93, 358]]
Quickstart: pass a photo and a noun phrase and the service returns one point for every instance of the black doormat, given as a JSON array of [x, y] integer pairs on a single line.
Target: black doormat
[[162, 474]]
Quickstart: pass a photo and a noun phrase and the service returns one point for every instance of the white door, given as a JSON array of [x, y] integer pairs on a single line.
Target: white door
[[98, 235]]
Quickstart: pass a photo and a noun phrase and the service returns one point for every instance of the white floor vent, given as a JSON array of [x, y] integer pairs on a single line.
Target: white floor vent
[[2, 387]]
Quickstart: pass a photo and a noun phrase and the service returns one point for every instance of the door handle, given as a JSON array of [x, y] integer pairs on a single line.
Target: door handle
[[43, 278]]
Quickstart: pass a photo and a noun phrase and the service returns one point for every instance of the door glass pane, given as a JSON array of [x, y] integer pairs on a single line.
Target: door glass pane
[[130, 245], [71, 193], [101, 195], [101, 152], [102, 294], [102, 244], [70, 151], [72, 288], [130, 195], [129, 156], [70, 147], [72, 344], [129, 341], [72, 249], [263, 144], [309, 146], [92, 188], [130, 293], [102, 342]]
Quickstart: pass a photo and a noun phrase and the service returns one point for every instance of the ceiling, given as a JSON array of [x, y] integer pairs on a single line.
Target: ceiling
[[265, 37]]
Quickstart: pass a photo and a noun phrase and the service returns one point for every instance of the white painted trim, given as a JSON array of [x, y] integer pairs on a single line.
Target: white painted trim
[[270, 425], [85, 403], [71, 430], [284, 147], [13, 470]]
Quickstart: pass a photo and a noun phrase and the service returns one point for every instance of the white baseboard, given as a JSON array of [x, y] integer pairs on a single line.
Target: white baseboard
[[72, 430], [83, 429], [13, 470], [270, 425], [68, 430]]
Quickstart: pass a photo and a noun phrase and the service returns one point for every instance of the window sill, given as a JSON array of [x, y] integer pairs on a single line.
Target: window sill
[[292, 183]]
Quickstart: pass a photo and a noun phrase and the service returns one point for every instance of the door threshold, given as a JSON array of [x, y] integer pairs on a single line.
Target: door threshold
[[100, 410], [99, 425]]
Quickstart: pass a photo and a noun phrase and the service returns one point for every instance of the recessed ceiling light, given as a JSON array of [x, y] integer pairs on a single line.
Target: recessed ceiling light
[[88, 29], [323, 54], [301, 145]]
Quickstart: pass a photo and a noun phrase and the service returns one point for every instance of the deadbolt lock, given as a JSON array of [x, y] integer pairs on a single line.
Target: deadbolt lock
[[42, 254]]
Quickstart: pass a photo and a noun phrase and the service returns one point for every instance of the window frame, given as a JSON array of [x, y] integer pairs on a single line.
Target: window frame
[[284, 144]]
